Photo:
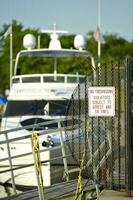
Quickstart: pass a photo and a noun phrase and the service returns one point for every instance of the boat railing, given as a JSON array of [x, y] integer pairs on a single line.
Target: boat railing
[[48, 78], [8, 140]]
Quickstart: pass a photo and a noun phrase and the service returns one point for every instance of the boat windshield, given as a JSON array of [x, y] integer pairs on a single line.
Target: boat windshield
[[36, 107], [38, 62]]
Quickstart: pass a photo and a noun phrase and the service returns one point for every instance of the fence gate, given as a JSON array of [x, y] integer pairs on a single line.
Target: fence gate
[[106, 140]]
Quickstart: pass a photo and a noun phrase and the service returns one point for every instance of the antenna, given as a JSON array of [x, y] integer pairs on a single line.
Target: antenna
[[59, 32], [54, 35]]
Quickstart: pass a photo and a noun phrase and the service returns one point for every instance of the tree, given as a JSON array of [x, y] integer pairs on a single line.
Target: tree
[[115, 48], [18, 34]]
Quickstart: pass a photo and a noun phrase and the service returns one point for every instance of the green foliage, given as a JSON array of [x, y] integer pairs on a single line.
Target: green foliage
[[18, 34], [44, 40], [113, 47], [67, 41]]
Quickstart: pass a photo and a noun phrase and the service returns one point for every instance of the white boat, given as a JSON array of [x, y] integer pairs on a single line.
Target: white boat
[[36, 98]]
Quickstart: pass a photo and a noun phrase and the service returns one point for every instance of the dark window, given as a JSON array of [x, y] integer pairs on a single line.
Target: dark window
[[58, 79], [36, 107], [58, 107], [32, 121], [35, 79], [16, 80]]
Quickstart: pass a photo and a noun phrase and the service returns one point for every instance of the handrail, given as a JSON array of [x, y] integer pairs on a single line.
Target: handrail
[[43, 162], [50, 131], [27, 154], [30, 153], [13, 167], [61, 119], [33, 125]]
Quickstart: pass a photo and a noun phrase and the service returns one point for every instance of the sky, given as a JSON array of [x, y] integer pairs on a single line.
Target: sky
[[75, 16]]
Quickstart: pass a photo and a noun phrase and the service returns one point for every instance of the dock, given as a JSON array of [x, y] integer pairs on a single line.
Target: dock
[[63, 190], [66, 191]]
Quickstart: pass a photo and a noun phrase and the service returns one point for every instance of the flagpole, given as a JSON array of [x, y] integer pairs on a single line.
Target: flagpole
[[11, 55], [11, 41], [99, 39]]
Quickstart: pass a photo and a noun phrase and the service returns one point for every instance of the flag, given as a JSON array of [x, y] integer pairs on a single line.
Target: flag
[[96, 34], [9, 30]]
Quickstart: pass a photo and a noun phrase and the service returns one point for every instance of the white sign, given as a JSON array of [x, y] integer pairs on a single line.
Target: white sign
[[101, 101]]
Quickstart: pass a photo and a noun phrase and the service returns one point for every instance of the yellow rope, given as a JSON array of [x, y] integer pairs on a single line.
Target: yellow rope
[[79, 190], [37, 160]]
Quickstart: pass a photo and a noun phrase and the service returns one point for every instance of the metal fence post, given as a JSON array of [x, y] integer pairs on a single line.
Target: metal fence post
[[129, 65], [63, 153], [10, 164]]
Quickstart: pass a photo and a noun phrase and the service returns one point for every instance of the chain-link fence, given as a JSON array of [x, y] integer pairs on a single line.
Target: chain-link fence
[[105, 141]]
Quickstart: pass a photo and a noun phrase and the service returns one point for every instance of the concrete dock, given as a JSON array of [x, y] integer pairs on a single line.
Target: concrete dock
[[114, 195]]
